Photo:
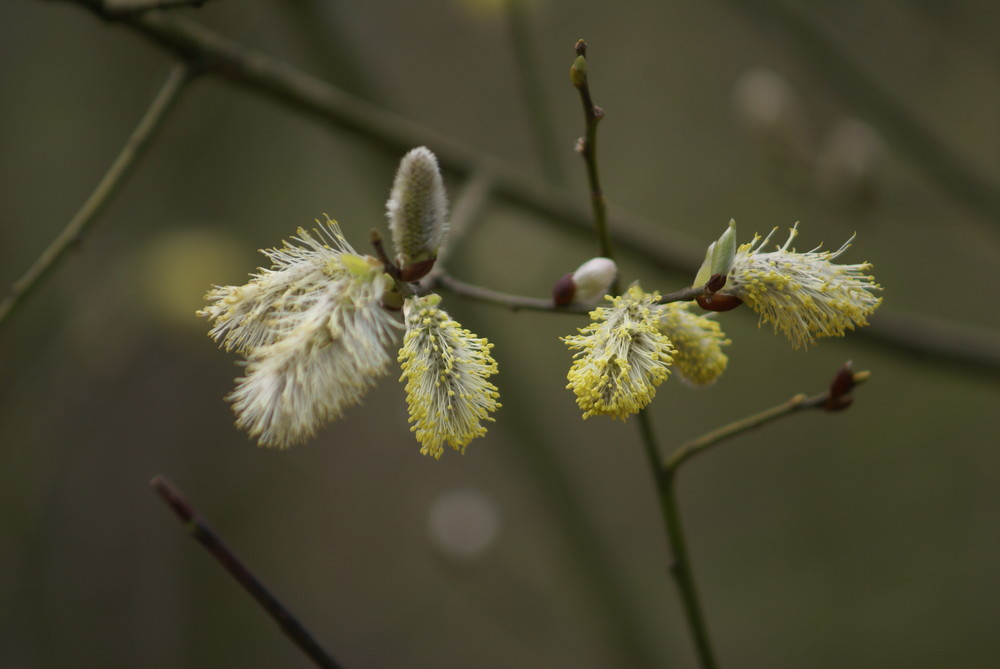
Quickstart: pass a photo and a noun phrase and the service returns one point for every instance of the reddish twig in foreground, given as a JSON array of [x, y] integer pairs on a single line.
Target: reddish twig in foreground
[[207, 537]]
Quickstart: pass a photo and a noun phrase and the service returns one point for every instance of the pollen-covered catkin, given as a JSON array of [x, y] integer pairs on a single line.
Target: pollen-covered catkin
[[803, 295], [621, 357], [446, 369]]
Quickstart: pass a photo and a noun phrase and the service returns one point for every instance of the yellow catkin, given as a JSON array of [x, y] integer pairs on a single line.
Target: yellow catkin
[[803, 295], [446, 369], [621, 356], [698, 341]]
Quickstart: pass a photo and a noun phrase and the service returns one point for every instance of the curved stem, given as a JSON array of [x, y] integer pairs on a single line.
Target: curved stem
[[135, 147], [692, 448], [797, 403]]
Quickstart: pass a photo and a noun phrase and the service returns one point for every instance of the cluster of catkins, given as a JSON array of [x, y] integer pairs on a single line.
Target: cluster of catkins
[[318, 326]]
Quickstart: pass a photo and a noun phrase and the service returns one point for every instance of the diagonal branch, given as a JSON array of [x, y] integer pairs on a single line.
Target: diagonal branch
[[262, 74], [225, 556], [837, 397], [135, 147]]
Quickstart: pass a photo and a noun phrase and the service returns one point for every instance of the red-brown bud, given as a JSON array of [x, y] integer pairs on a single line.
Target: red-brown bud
[[840, 388], [564, 292], [843, 382], [417, 270], [715, 283], [718, 302], [838, 404]]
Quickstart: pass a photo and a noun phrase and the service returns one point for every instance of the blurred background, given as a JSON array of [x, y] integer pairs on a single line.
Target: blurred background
[[865, 538]]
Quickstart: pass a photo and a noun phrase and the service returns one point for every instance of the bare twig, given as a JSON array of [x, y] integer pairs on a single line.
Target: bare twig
[[512, 302], [666, 470], [225, 556], [681, 563], [680, 567], [109, 186], [833, 399], [587, 147]]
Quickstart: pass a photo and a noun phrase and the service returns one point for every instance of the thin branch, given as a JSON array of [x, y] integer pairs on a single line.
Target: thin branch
[[289, 86], [832, 400], [512, 302], [517, 302], [587, 147], [665, 474], [683, 295], [225, 556], [681, 566], [135, 147], [662, 246], [391, 268]]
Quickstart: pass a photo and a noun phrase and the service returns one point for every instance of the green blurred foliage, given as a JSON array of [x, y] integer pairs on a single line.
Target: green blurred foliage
[[867, 538]]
